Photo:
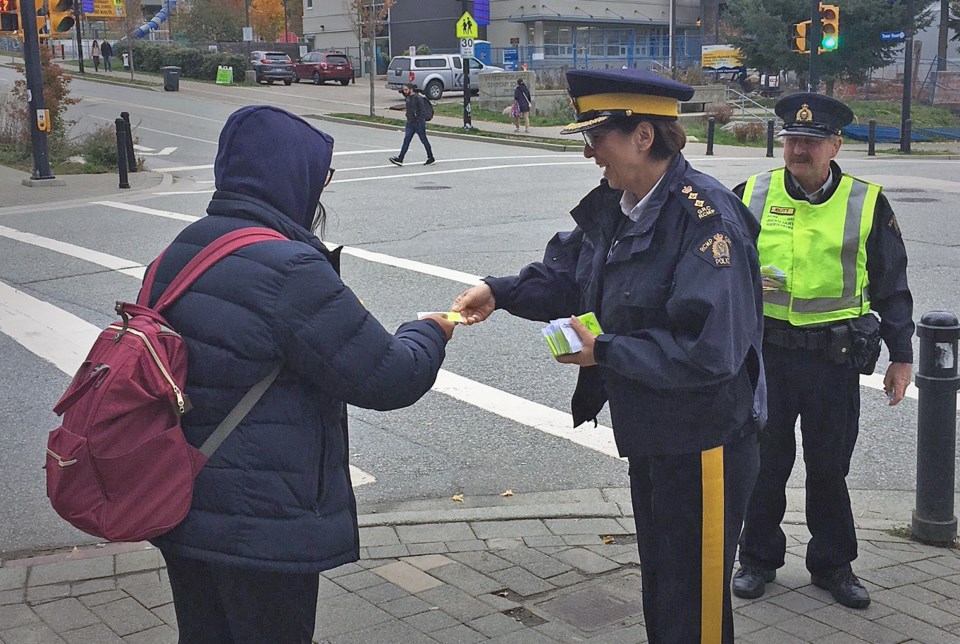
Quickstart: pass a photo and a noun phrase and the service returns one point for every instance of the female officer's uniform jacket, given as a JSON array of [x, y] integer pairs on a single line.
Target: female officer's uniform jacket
[[679, 358], [276, 495]]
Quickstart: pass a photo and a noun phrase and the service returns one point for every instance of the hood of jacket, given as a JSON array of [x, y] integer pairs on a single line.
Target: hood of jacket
[[273, 157]]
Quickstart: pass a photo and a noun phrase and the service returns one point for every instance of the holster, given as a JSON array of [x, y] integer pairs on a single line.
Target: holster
[[865, 342]]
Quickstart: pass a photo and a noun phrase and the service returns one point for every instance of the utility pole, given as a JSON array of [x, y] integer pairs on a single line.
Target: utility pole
[[814, 43], [34, 74]]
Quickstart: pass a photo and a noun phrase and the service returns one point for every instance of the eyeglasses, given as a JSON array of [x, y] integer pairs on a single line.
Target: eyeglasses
[[329, 177], [593, 137]]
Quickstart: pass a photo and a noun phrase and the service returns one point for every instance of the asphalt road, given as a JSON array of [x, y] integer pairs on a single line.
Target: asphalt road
[[483, 209]]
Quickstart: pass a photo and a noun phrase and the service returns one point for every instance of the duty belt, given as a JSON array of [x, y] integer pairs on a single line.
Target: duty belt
[[797, 338]]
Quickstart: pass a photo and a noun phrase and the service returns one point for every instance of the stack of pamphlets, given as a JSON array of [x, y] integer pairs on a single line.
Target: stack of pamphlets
[[773, 278], [561, 337]]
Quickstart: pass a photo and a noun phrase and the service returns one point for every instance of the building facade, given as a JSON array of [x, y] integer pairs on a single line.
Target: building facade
[[550, 34]]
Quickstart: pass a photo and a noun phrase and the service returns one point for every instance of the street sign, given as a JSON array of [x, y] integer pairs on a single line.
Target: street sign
[[467, 27], [892, 36], [466, 47]]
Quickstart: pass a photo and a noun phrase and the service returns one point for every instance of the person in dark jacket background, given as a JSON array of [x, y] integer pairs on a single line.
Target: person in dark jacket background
[[274, 505], [665, 257], [416, 124], [107, 51], [521, 96]]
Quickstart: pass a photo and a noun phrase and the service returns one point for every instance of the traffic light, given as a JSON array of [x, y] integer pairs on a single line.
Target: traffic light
[[830, 23], [61, 16], [43, 27], [798, 40], [9, 18]]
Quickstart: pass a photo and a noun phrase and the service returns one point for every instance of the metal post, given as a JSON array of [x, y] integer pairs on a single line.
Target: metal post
[[467, 116], [122, 152], [711, 124], [34, 74], [937, 380], [816, 34], [770, 125], [872, 138], [131, 156], [907, 82], [76, 17]]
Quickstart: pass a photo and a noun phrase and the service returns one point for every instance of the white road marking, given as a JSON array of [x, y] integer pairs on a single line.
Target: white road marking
[[125, 266], [146, 211], [63, 339]]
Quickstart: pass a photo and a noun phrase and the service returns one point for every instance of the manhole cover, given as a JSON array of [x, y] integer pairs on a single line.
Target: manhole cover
[[431, 187], [914, 199], [592, 609]]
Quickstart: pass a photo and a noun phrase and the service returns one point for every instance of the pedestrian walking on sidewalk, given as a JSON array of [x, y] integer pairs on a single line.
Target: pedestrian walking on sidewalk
[[107, 52], [832, 253], [522, 101], [416, 112], [664, 256], [95, 54], [274, 506]]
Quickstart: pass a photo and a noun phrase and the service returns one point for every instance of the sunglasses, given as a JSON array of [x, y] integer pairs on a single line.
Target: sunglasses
[[329, 177]]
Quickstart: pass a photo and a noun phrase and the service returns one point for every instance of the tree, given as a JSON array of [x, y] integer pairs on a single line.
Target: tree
[[368, 18], [266, 18], [954, 20], [214, 21], [756, 28]]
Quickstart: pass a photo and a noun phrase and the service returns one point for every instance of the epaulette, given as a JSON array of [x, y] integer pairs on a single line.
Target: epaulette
[[694, 201]]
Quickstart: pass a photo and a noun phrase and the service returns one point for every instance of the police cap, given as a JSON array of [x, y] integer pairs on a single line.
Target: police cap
[[815, 115], [603, 95]]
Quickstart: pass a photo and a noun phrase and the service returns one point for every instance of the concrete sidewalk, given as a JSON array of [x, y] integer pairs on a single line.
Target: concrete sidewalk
[[524, 569], [68, 188]]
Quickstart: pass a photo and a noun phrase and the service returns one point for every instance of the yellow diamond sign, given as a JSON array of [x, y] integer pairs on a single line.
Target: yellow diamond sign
[[467, 27]]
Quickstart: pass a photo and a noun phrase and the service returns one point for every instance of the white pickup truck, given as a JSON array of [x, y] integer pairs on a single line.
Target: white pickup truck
[[434, 74]]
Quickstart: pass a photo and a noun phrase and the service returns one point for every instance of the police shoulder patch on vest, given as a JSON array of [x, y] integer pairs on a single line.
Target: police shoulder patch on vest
[[696, 202], [715, 249]]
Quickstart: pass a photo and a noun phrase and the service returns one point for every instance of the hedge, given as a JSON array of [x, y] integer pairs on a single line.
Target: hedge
[[193, 63]]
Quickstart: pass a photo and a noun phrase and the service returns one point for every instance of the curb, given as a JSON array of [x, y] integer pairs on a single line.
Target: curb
[[555, 147]]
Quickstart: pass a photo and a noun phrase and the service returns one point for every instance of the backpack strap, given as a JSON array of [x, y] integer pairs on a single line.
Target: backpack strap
[[210, 255], [237, 414]]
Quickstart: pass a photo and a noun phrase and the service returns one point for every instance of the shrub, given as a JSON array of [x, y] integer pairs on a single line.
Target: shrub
[[193, 63], [98, 147], [749, 132], [721, 112]]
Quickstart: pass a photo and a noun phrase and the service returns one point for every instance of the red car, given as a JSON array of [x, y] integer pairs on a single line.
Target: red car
[[321, 66]]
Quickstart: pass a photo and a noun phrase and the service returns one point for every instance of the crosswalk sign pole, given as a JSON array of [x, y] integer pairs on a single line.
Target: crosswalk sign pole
[[466, 25]]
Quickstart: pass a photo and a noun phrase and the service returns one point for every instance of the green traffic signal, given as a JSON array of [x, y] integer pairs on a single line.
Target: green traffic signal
[[829, 43]]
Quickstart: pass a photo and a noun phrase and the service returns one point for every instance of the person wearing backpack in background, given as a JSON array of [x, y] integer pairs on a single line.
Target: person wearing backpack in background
[[274, 506], [416, 123]]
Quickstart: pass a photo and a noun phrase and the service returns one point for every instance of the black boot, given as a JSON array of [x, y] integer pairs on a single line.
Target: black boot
[[751, 581], [843, 585]]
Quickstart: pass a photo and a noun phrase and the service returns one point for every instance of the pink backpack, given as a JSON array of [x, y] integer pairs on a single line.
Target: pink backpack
[[119, 466]]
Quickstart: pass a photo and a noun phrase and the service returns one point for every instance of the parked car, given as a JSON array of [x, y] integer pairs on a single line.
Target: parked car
[[321, 66], [434, 74], [271, 66]]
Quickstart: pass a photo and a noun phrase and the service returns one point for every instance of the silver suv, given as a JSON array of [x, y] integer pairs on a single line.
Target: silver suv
[[434, 74]]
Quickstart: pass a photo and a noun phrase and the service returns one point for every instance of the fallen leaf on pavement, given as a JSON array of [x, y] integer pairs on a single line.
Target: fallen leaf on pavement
[[458, 498], [507, 493], [607, 540]]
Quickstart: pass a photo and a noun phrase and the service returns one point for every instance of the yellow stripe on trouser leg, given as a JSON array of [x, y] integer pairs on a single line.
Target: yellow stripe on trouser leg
[[711, 571]]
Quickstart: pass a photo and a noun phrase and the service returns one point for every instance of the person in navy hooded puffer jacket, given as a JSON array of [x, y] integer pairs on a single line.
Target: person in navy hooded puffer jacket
[[274, 505]]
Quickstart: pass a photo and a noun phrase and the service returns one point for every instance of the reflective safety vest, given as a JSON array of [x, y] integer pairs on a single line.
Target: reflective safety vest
[[820, 247]]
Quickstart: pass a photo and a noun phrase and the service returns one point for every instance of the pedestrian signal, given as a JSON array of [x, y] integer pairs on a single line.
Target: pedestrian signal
[[9, 18], [61, 16], [830, 24], [798, 41], [43, 26]]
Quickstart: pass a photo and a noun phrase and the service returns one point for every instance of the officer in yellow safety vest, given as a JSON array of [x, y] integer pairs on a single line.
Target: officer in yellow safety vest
[[831, 254]]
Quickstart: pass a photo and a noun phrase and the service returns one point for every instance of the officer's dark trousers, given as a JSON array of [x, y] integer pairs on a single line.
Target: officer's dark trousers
[[218, 604], [826, 397], [688, 510]]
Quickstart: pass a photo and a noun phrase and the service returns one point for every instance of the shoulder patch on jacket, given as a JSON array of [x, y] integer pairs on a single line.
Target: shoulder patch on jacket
[[696, 202], [715, 249]]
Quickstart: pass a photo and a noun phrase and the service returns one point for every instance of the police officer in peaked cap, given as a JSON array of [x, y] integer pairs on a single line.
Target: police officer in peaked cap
[[832, 257], [665, 257]]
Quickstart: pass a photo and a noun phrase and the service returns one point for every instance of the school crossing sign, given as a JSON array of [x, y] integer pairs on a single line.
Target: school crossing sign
[[467, 27]]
